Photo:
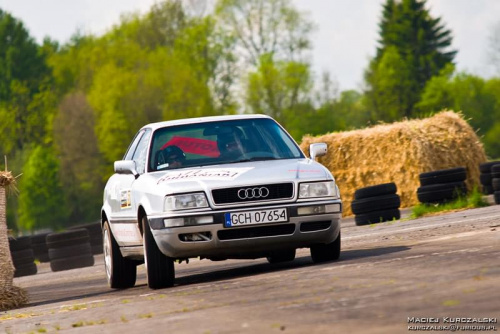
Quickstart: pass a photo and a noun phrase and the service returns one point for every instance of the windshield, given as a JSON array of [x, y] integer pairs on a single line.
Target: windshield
[[222, 142]]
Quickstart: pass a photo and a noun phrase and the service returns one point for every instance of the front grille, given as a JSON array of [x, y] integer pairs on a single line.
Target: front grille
[[315, 226], [256, 232], [275, 191]]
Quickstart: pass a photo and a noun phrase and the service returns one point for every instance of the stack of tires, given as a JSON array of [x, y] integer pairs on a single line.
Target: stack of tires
[[486, 178], [442, 185], [95, 235], [22, 256], [39, 246], [376, 204], [70, 250], [495, 182]]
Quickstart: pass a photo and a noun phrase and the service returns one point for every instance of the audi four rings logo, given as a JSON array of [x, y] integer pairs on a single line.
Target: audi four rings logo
[[253, 193]]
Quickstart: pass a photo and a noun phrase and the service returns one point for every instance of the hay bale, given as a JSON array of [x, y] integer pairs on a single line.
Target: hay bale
[[398, 153], [10, 295]]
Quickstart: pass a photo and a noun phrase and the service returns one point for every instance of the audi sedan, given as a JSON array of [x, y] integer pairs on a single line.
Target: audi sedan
[[226, 187]]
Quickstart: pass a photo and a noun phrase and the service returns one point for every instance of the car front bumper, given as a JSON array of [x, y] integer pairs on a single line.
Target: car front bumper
[[215, 241]]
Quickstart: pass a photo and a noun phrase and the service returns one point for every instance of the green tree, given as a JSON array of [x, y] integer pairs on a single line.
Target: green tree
[[280, 89], [477, 98], [41, 200], [407, 31], [20, 57], [81, 165]]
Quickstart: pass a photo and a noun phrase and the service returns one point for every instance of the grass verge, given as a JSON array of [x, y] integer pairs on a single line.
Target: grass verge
[[473, 200]]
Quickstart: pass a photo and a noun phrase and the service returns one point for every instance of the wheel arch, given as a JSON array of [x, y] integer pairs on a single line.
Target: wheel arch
[[141, 213]]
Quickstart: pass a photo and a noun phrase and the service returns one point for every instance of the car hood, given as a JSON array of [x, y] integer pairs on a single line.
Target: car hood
[[236, 174]]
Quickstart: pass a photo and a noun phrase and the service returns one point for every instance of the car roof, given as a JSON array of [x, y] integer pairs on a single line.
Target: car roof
[[184, 121]]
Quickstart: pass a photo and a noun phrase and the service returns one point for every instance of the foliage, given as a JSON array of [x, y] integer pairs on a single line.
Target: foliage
[[280, 89], [260, 27], [41, 200], [81, 165], [477, 98], [473, 200], [413, 48], [20, 57]]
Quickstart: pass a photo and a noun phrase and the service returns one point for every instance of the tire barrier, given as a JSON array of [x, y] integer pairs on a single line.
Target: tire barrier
[[376, 204], [442, 186], [458, 174], [95, 235], [70, 250], [486, 177], [497, 197], [495, 182], [39, 246], [22, 256]]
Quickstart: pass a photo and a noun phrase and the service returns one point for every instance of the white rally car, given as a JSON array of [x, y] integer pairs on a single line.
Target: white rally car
[[222, 187]]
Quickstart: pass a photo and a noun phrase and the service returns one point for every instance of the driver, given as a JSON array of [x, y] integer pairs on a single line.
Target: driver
[[171, 157], [230, 144]]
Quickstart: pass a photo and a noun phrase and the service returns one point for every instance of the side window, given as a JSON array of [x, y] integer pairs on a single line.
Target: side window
[[133, 146], [140, 153]]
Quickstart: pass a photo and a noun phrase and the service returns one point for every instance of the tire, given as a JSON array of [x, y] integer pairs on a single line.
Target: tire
[[22, 257], [160, 269], [72, 262], [495, 172], [443, 176], [70, 251], [439, 193], [497, 197], [20, 243], [121, 272], [97, 249], [41, 252], [26, 270], [68, 235], [375, 217], [488, 190], [39, 239], [92, 228], [495, 183], [486, 166], [68, 242], [326, 252], [383, 202], [378, 190], [485, 179], [281, 256]]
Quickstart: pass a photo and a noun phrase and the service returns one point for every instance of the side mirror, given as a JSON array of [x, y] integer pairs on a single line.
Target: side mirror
[[317, 150], [126, 167]]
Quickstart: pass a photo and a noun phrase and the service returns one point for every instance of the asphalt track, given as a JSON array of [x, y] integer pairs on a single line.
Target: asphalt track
[[391, 278]]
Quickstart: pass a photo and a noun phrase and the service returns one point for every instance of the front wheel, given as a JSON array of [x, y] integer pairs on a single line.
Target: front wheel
[[120, 272], [326, 252], [159, 267]]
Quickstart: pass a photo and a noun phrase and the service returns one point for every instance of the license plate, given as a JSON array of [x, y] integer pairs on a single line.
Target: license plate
[[255, 217]]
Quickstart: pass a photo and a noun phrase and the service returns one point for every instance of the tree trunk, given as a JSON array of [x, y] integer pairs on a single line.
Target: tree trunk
[[10, 296]]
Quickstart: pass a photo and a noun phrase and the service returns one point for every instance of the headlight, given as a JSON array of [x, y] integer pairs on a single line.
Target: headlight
[[185, 201], [318, 189]]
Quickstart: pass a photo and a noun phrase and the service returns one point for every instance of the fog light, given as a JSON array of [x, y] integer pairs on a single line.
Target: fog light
[[311, 210], [196, 220], [318, 209], [331, 208], [172, 222]]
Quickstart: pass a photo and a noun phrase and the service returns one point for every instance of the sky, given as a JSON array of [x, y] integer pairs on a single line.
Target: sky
[[344, 40]]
